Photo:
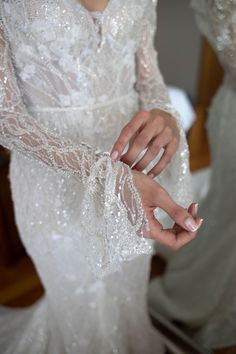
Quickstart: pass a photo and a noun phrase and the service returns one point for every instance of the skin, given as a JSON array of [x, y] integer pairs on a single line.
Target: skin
[[154, 196], [154, 130], [94, 5]]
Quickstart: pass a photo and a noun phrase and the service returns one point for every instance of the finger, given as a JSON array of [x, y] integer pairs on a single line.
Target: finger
[[156, 232], [183, 238], [178, 229], [153, 150], [168, 238], [154, 226], [164, 161], [178, 214], [127, 133], [173, 238], [193, 209], [139, 144]]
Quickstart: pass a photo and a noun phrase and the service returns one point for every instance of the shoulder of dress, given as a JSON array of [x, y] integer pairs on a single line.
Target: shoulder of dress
[[150, 10], [151, 3], [148, 6]]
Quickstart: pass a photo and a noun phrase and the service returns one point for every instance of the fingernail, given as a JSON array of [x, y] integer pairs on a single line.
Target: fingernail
[[191, 224], [195, 209], [114, 155], [200, 222]]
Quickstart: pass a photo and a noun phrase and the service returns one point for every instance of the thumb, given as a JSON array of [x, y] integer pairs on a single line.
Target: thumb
[[179, 215]]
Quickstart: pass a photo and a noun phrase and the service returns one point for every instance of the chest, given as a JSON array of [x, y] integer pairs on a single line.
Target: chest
[[94, 5], [69, 23]]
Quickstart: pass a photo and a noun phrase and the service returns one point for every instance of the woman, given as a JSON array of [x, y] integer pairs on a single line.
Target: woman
[[198, 288], [67, 76]]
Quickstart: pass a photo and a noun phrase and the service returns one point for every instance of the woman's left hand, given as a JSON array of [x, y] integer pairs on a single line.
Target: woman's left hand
[[154, 130]]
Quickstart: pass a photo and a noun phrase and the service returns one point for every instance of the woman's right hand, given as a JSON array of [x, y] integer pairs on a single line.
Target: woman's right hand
[[186, 222]]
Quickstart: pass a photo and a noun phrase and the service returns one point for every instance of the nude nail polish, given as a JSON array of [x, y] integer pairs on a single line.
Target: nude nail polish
[[114, 155], [200, 222], [196, 209], [191, 224]]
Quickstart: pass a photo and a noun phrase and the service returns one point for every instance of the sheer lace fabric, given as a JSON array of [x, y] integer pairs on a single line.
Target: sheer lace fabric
[[20, 132], [68, 76]]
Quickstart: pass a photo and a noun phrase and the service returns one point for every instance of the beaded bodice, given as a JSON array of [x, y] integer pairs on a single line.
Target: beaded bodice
[[69, 76]]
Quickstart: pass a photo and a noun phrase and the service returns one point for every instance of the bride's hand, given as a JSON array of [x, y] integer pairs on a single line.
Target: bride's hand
[[154, 130], [186, 222]]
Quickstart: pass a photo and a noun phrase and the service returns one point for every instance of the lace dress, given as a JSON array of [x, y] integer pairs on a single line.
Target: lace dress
[[68, 77], [199, 288]]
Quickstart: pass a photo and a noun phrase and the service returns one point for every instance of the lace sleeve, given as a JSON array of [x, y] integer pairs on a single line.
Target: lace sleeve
[[150, 84], [108, 187], [153, 94]]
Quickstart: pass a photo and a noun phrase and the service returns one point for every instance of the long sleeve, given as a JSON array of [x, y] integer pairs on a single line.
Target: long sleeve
[[152, 90], [153, 94], [109, 190], [20, 132]]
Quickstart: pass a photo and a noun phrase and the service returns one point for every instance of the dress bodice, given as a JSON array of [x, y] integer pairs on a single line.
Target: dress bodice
[[82, 78], [74, 67], [70, 57]]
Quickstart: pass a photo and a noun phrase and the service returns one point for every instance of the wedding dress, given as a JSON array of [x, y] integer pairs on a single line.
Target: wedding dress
[[199, 287], [69, 76]]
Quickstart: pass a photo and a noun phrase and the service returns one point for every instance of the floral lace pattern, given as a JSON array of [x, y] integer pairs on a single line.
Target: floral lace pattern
[[69, 76]]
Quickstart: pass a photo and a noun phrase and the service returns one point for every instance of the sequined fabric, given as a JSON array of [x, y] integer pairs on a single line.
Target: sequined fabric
[[69, 76], [199, 287]]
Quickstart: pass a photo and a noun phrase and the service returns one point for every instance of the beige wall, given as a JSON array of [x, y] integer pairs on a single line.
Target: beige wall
[[179, 44]]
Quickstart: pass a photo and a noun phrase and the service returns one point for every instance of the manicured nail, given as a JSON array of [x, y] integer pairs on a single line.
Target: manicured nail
[[200, 222], [195, 209], [114, 155], [191, 224]]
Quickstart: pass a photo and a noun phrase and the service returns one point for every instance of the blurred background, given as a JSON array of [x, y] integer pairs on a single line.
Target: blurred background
[[190, 67]]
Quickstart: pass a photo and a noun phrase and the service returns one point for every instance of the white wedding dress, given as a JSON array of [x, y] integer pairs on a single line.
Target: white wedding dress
[[70, 76], [199, 287]]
